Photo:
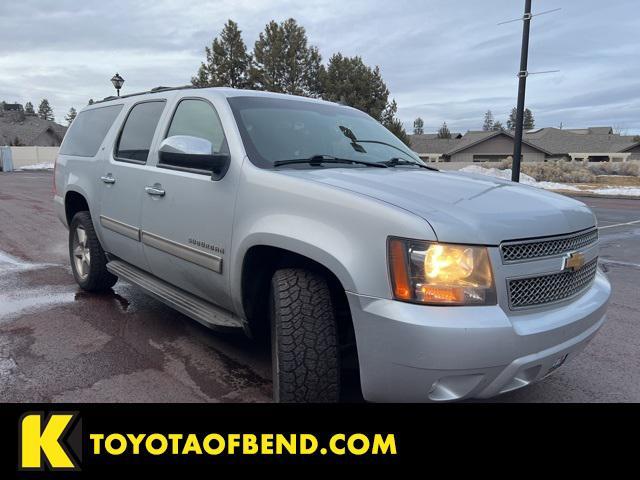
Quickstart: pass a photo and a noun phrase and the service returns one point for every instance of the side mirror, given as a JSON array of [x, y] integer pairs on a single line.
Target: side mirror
[[192, 154]]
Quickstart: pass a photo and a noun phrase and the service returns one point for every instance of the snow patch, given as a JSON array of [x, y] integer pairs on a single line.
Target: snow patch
[[37, 166], [527, 180]]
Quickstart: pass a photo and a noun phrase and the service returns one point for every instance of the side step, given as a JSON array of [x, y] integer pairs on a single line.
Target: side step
[[204, 312]]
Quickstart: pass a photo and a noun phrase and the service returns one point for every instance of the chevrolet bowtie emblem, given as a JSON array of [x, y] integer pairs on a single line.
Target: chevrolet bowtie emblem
[[573, 261]]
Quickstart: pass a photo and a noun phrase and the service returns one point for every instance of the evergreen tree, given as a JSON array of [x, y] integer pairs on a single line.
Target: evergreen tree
[[393, 123], [45, 111], [528, 122], [488, 121], [283, 62], [418, 126], [227, 61], [71, 116], [350, 81], [91, 101], [497, 126], [444, 131], [28, 108]]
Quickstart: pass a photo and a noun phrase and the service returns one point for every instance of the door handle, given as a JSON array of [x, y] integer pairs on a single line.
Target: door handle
[[156, 190], [108, 179]]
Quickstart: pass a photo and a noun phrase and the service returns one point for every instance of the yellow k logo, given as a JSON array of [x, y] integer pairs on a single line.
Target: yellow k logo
[[38, 442]]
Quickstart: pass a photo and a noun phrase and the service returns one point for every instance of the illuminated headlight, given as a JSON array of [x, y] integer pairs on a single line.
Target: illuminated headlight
[[440, 274]]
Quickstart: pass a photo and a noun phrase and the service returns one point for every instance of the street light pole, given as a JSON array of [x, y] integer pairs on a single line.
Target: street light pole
[[522, 85]]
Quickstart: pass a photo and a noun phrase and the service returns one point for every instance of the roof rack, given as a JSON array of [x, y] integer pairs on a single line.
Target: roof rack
[[153, 90]]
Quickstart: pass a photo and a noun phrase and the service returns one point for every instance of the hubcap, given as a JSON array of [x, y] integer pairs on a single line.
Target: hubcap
[[81, 253]]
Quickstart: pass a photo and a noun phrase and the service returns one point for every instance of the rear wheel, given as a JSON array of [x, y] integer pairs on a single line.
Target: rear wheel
[[304, 343], [88, 261]]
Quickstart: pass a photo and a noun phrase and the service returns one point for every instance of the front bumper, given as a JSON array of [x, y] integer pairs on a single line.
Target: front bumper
[[417, 353]]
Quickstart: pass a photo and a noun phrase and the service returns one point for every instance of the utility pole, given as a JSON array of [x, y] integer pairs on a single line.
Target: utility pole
[[522, 85]]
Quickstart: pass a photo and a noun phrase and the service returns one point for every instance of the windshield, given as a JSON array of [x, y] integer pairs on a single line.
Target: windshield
[[275, 129]]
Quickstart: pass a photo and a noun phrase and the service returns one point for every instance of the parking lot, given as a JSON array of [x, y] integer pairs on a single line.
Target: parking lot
[[60, 344]]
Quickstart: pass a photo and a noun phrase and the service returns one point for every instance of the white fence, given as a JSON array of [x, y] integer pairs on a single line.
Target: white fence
[[27, 156]]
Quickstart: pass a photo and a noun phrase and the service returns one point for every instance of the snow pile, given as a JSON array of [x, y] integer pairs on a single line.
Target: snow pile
[[625, 191], [527, 180], [37, 166]]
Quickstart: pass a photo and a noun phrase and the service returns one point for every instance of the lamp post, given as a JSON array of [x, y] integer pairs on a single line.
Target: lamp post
[[117, 81]]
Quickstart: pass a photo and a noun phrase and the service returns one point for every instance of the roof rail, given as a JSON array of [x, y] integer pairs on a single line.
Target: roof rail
[[153, 90]]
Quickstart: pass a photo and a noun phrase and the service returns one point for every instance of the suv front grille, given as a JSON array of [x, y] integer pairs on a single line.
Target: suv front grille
[[528, 250], [535, 291]]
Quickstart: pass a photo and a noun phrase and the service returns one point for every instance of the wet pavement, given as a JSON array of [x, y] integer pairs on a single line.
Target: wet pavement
[[58, 343]]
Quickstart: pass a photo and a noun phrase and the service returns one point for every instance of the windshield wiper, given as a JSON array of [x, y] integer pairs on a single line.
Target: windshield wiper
[[317, 160], [395, 161]]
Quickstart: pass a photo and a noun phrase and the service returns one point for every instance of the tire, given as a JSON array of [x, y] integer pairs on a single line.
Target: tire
[[304, 340], [88, 261]]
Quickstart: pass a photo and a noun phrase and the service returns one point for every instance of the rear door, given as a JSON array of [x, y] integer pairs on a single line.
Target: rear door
[[186, 216], [123, 179]]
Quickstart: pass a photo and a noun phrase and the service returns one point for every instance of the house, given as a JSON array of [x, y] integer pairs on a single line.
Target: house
[[16, 128], [539, 145], [474, 146]]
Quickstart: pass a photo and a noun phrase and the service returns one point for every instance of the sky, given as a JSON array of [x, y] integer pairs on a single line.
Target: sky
[[442, 60]]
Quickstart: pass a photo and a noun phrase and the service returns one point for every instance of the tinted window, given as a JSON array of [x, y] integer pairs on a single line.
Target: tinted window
[[197, 118], [88, 131], [275, 129], [137, 134]]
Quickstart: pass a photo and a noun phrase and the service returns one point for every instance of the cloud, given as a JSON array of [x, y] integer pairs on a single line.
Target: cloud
[[441, 60]]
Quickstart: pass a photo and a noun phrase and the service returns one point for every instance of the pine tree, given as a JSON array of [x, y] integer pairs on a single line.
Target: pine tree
[[227, 61], [28, 108], [91, 101], [488, 121], [45, 111], [418, 126], [283, 62], [444, 131], [350, 81], [528, 122], [71, 116], [497, 126], [393, 123]]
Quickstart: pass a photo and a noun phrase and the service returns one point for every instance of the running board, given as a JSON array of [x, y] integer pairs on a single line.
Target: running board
[[204, 312]]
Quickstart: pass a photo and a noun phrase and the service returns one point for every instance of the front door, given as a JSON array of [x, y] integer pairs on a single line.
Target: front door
[[186, 216], [123, 179]]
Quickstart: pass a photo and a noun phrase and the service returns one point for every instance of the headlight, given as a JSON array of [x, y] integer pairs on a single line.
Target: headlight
[[440, 274]]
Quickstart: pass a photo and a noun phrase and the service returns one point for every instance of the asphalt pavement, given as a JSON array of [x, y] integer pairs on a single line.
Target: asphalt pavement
[[60, 344]]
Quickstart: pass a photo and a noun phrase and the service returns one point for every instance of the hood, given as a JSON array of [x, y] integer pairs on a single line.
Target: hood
[[462, 207]]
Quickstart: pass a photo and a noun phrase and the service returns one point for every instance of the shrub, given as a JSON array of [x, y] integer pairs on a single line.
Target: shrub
[[555, 171], [631, 168]]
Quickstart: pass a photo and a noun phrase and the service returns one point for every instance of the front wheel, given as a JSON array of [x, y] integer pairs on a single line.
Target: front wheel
[[304, 339], [88, 261]]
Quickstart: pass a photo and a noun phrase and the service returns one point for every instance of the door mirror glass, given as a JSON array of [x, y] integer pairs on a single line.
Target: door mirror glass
[[192, 154]]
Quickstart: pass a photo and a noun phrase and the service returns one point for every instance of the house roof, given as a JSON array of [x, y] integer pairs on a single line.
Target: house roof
[[421, 144], [589, 140], [551, 141], [27, 128]]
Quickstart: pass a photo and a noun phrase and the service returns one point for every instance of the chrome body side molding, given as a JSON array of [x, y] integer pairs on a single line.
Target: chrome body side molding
[[206, 260], [119, 227]]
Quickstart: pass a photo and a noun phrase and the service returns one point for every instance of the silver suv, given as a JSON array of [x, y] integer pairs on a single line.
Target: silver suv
[[309, 220]]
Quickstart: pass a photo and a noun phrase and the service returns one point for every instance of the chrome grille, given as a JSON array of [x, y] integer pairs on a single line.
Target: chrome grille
[[527, 250], [533, 291]]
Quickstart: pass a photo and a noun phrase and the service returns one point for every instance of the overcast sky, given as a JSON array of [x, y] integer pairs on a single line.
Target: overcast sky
[[442, 60]]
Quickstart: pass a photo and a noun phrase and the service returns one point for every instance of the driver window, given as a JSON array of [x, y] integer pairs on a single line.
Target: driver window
[[198, 118]]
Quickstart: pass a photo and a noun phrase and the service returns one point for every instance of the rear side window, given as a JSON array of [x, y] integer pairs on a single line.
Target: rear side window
[[88, 130], [197, 118], [139, 127]]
